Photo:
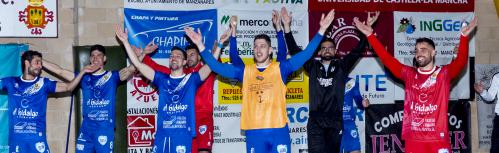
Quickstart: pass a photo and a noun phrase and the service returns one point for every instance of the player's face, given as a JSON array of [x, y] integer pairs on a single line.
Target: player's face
[[192, 57], [262, 50], [424, 54], [97, 58], [177, 60], [327, 51], [35, 66]]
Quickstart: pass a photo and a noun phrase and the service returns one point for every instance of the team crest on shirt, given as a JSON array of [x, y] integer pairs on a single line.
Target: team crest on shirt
[[102, 139], [282, 148], [202, 129], [103, 80], [40, 146], [443, 150], [349, 85], [34, 88], [181, 149]]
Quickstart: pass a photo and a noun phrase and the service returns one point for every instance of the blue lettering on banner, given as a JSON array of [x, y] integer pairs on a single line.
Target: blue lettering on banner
[[166, 28], [379, 80], [299, 115]]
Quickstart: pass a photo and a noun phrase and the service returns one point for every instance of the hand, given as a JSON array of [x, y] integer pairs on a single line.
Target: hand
[[326, 21], [225, 36], [466, 30], [150, 48], [137, 50], [233, 25], [365, 102], [372, 19], [90, 68], [365, 29], [286, 17], [196, 37], [479, 87], [276, 20], [121, 34]]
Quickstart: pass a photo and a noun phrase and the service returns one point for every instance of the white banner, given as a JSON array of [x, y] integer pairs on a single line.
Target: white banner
[[444, 30], [373, 82], [28, 18]]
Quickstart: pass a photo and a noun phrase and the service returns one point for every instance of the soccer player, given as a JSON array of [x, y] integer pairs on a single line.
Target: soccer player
[[176, 116], [327, 88], [99, 99], [27, 95], [263, 114], [350, 142], [427, 87], [203, 103]]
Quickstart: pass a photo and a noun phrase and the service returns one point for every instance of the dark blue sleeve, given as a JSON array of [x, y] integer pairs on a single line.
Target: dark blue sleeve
[[357, 97], [116, 76], [226, 70], [281, 47], [50, 85], [295, 62], [234, 53]]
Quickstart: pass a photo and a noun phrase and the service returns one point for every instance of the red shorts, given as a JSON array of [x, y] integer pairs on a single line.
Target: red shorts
[[433, 146], [204, 132]]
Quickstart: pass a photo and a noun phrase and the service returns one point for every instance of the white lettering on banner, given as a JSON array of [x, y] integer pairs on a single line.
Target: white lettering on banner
[[401, 1], [387, 121]]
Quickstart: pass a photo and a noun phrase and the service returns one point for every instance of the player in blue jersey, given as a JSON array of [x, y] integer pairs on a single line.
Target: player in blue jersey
[[350, 142], [99, 95], [176, 115], [27, 95]]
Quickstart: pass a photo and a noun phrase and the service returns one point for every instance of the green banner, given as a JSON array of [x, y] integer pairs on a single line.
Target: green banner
[[10, 57]]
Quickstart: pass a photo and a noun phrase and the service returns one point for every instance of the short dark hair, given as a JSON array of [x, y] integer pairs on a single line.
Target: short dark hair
[[192, 47], [98, 47], [181, 50], [28, 56], [328, 40], [427, 40], [264, 37]]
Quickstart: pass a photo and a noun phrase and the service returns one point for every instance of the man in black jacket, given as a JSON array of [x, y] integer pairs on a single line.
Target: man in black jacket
[[327, 87]]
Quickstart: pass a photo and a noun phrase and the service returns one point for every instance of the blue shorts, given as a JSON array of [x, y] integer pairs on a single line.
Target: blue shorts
[[350, 140], [31, 146], [99, 141], [274, 140], [181, 143]]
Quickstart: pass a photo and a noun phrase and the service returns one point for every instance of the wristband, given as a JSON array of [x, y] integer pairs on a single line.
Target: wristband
[[220, 45]]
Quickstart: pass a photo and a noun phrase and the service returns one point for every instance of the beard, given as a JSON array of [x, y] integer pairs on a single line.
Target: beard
[[327, 57], [423, 62], [34, 72]]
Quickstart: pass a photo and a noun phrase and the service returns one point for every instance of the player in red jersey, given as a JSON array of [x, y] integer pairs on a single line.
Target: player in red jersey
[[427, 88]]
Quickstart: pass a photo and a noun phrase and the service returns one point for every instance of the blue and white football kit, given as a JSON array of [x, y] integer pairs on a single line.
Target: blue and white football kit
[[27, 111], [350, 140], [176, 117], [99, 96]]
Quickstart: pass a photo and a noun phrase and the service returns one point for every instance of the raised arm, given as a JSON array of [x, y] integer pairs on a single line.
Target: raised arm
[[388, 60], [457, 65], [65, 87], [205, 70], [146, 71], [288, 34], [59, 71], [296, 61], [281, 44], [235, 59], [356, 53]]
